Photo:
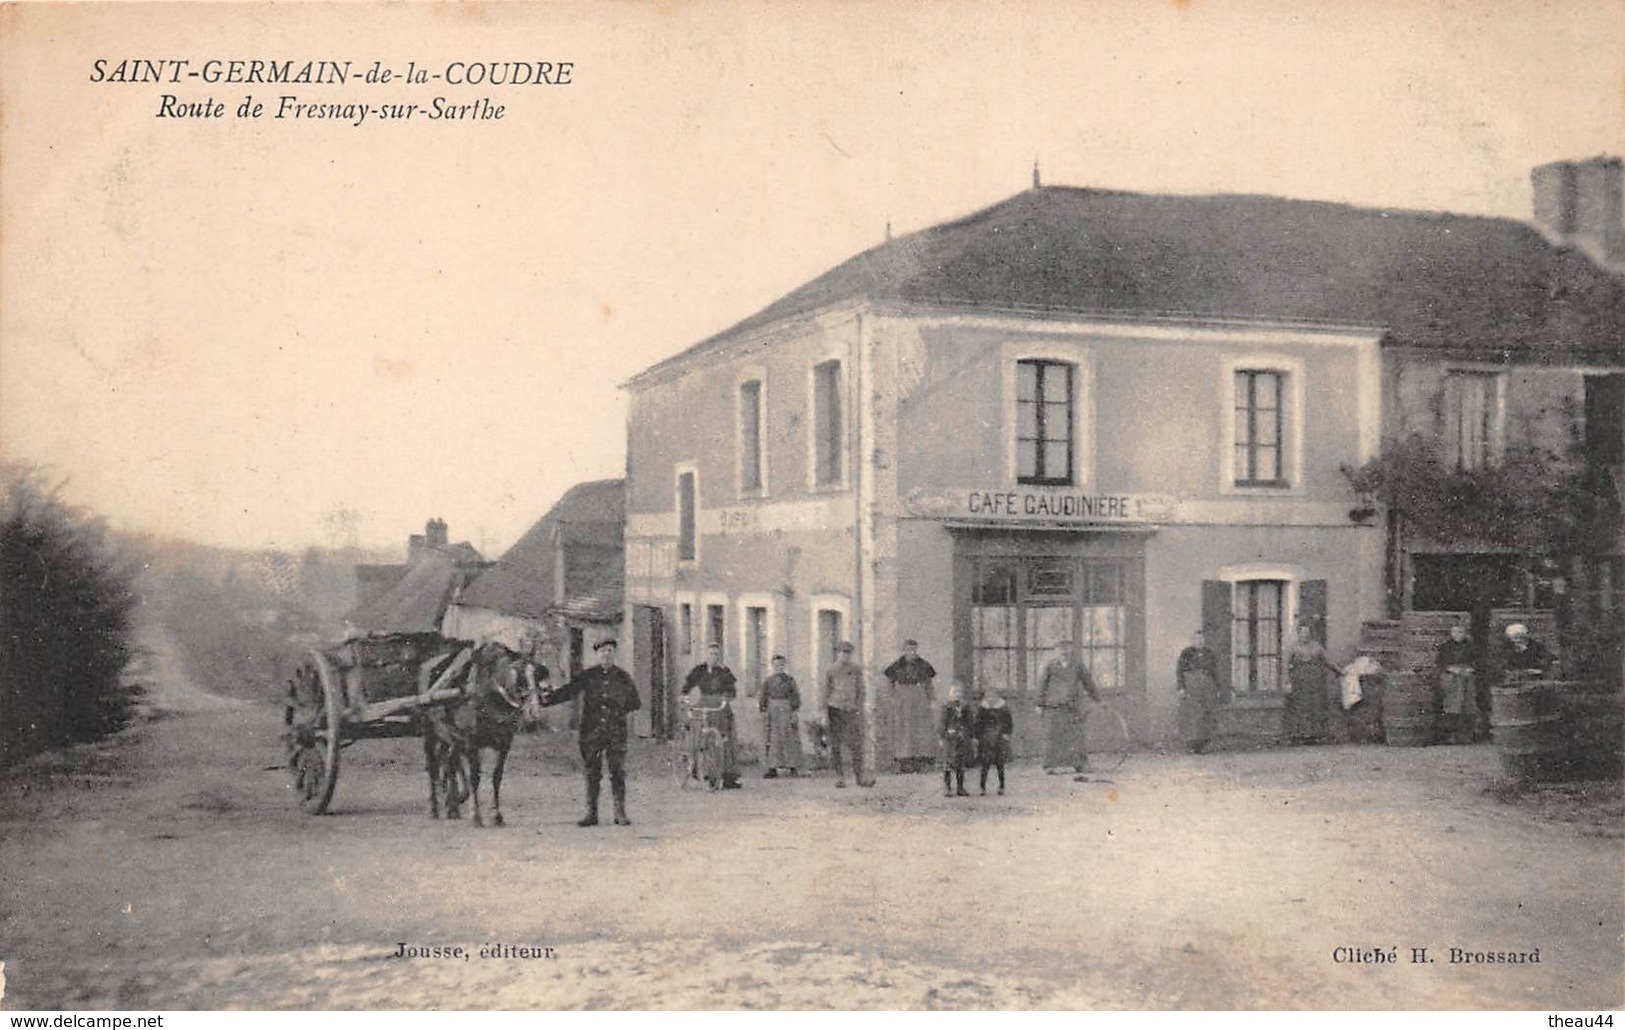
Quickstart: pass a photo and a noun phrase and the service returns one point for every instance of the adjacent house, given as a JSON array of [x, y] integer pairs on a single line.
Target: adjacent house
[[413, 597], [1508, 417], [559, 584], [1078, 415]]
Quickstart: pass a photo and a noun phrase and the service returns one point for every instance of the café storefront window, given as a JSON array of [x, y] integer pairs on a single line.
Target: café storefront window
[[1018, 609]]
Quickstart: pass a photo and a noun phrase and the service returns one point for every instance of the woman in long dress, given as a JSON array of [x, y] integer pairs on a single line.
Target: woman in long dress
[[1457, 687], [1197, 676], [912, 678], [780, 703], [1308, 668]]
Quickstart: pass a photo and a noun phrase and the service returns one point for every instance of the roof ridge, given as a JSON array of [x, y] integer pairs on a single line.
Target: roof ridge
[[1417, 273]]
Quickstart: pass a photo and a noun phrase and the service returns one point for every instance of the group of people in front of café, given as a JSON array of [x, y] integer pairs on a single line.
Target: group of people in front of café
[[977, 731], [1460, 693]]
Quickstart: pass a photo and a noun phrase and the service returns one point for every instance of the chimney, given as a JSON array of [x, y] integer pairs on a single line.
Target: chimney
[[435, 531], [1581, 204]]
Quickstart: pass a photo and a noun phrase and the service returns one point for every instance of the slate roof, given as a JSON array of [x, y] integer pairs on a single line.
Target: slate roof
[[521, 581], [591, 517], [418, 602], [1492, 287]]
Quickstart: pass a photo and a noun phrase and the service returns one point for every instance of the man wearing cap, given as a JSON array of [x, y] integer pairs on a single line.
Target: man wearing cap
[[716, 685], [843, 702], [608, 696], [911, 677]]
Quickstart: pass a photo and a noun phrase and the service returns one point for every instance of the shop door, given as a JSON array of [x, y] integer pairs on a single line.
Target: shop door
[[649, 643], [1020, 611]]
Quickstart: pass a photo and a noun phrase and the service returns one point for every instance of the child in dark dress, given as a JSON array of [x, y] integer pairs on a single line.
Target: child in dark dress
[[993, 729], [958, 732]]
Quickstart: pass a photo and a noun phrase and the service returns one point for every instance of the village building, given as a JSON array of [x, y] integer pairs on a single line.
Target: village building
[[558, 585], [412, 597], [1078, 415], [1538, 377]]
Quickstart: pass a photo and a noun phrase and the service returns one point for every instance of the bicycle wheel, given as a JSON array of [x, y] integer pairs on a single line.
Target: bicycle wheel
[[682, 761], [708, 759], [1106, 738]]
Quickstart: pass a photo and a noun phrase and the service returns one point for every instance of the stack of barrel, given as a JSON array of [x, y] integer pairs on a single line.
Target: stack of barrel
[[1409, 709], [1381, 640], [1408, 716], [1594, 729]]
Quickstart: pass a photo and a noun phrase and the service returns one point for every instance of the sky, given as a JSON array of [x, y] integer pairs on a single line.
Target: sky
[[231, 329]]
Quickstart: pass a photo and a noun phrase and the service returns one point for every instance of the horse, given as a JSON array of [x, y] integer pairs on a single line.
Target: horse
[[499, 693]]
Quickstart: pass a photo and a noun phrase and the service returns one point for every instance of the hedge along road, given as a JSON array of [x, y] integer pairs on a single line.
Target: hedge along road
[[170, 868]]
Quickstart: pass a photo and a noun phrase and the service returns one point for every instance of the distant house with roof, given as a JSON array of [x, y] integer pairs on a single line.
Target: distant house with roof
[[560, 583], [1079, 416], [412, 597]]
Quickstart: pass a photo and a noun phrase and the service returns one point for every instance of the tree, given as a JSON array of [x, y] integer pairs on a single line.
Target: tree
[[1532, 502], [66, 602]]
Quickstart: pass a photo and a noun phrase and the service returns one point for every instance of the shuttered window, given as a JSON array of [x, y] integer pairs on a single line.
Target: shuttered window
[[829, 428], [1045, 417], [1259, 423], [1255, 636], [750, 436], [1471, 411], [686, 550]]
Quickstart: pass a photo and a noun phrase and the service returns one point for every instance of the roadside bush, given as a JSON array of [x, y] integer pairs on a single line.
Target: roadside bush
[[65, 607]]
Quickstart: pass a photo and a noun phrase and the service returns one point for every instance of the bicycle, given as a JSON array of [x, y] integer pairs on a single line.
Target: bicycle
[[1106, 738], [697, 748]]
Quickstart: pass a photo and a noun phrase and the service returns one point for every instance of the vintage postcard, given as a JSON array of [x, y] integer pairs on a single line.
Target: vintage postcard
[[844, 505]]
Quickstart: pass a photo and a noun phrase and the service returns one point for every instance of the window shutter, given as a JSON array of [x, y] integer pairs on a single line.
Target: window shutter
[[1216, 627], [1312, 606]]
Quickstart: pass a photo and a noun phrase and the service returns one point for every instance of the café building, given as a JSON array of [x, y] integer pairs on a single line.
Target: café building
[[1079, 415]]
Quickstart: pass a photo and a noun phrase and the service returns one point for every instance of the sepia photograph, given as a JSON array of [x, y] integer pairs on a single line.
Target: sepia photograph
[[844, 505]]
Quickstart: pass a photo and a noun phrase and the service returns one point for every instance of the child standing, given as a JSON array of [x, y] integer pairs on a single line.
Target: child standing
[[958, 732], [993, 729]]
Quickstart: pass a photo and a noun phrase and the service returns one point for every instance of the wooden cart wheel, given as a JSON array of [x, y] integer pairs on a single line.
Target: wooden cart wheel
[[315, 721]]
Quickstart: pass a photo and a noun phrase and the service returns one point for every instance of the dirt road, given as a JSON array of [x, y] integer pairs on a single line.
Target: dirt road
[[171, 869]]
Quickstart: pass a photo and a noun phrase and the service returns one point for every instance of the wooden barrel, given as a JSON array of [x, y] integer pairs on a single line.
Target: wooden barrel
[[1408, 718], [1593, 730], [1528, 731]]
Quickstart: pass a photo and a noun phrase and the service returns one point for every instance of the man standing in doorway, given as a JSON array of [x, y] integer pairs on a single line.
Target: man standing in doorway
[[911, 677], [608, 696], [1060, 696], [843, 702], [717, 688]]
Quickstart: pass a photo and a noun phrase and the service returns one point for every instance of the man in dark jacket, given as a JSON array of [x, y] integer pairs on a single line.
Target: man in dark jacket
[[717, 687], [608, 695]]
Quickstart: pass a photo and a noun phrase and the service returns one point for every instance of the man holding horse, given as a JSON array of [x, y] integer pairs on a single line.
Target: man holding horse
[[608, 696]]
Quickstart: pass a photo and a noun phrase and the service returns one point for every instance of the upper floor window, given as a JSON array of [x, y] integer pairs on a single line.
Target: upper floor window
[[686, 550], [751, 478], [828, 425], [1472, 411], [1046, 445], [1259, 427]]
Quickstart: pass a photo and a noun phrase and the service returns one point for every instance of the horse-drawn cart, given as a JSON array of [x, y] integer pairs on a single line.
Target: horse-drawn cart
[[367, 687]]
